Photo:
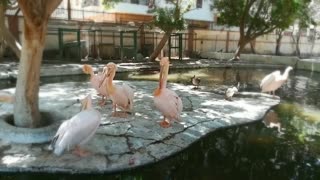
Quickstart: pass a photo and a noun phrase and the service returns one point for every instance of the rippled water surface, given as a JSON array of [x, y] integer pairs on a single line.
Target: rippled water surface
[[285, 145]]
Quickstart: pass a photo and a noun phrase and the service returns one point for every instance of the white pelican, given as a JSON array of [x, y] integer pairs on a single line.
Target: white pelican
[[231, 91], [95, 80], [165, 100], [195, 81], [121, 95], [271, 82], [78, 130]]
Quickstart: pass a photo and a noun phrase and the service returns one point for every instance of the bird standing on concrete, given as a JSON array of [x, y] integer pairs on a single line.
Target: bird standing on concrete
[[78, 130], [165, 100], [121, 95], [273, 81]]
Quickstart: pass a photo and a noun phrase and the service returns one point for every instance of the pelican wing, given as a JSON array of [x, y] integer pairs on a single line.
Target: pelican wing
[[169, 103], [79, 129], [125, 96], [269, 79]]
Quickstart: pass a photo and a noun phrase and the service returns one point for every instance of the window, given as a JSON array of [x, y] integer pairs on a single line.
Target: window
[[199, 4]]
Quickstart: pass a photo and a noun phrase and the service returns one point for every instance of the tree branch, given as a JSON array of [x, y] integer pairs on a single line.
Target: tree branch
[[52, 5], [255, 17]]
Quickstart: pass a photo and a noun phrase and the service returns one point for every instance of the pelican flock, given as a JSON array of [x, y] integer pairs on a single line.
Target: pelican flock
[[81, 127], [166, 100]]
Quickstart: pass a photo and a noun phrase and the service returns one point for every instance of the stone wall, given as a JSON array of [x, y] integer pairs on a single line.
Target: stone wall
[[219, 40]]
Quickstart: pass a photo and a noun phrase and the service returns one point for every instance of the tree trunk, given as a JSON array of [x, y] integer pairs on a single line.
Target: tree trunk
[[26, 111], [278, 43], [161, 44], [241, 44], [297, 43], [36, 15], [253, 51], [6, 38]]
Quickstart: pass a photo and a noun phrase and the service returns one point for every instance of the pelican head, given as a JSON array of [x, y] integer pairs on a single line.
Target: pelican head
[[86, 102], [109, 71], [289, 68]]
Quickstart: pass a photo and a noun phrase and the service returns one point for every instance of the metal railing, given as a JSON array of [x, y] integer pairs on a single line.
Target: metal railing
[[76, 14]]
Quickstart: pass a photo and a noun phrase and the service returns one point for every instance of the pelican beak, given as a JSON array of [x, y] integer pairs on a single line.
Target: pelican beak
[[104, 78], [84, 103], [106, 74]]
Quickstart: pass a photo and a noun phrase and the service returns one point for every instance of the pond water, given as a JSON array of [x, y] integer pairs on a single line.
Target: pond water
[[285, 145]]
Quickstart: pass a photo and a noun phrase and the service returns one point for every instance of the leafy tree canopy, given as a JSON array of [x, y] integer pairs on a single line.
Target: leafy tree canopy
[[260, 16], [171, 18], [109, 3]]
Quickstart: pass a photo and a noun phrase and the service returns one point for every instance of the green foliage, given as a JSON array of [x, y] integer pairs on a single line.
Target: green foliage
[[110, 3], [260, 16], [170, 19], [4, 2], [303, 15]]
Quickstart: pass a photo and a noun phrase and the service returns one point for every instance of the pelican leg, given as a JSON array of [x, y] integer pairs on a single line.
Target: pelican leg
[[165, 123], [122, 114], [114, 107], [80, 152], [102, 102]]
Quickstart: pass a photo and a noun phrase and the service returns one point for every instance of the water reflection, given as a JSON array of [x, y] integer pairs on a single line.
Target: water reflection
[[288, 149], [271, 120]]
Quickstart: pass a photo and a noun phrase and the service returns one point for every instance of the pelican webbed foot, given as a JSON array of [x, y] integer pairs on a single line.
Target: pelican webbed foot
[[165, 124], [80, 152], [120, 114]]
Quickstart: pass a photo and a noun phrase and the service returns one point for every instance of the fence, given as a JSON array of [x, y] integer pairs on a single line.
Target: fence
[[103, 39]]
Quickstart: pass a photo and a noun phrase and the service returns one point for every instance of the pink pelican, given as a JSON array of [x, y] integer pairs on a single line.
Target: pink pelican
[[271, 82], [78, 130], [121, 95], [165, 100], [95, 80]]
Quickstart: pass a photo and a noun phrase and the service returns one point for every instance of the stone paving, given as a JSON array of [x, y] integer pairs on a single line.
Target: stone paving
[[124, 143]]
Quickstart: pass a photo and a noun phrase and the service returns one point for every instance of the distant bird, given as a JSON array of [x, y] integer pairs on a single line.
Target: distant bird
[[274, 80], [195, 81], [78, 130], [231, 91], [96, 80], [121, 95], [6, 97], [165, 100]]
